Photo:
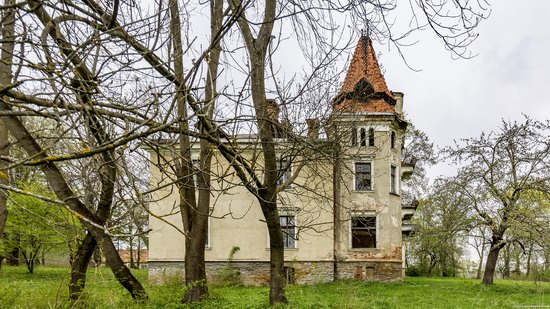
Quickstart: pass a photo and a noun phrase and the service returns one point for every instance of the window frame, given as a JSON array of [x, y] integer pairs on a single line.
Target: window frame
[[288, 212], [287, 174], [370, 173], [208, 243], [289, 237], [393, 179], [374, 227], [363, 137], [371, 137]]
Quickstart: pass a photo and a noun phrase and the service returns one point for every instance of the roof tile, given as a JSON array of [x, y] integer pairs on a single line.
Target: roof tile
[[364, 66]]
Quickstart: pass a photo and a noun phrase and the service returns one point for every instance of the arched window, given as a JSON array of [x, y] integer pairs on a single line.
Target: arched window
[[363, 137], [354, 136], [371, 137], [392, 139]]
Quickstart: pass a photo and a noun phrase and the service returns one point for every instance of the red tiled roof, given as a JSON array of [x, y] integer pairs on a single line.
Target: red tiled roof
[[364, 66], [374, 105]]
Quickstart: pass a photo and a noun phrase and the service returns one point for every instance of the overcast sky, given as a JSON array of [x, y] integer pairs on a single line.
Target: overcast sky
[[453, 99]]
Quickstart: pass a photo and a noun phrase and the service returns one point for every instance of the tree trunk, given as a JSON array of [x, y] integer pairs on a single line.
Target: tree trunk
[[491, 264], [13, 256], [195, 276], [115, 263], [257, 48], [6, 56], [195, 266], [138, 262], [481, 256], [431, 264], [79, 266], [276, 254], [506, 259], [132, 252], [97, 256], [528, 270]]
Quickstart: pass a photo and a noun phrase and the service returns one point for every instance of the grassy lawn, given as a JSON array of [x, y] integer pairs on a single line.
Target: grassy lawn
[[47, 288]]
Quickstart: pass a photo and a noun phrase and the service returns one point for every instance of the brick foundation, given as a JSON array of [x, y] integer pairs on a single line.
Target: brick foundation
[[257, 272], [371, 270]]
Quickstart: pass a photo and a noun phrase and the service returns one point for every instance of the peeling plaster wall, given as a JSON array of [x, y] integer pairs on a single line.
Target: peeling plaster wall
[[238, 221]]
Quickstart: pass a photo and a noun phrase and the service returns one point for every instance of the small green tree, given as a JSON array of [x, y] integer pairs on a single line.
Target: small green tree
[[441, 225], [36, 227]]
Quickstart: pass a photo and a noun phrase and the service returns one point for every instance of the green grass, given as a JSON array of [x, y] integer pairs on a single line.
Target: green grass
[[47, 288]]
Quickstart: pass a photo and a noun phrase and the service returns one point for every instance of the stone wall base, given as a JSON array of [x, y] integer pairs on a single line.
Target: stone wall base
[[298, 272], [385, 271]]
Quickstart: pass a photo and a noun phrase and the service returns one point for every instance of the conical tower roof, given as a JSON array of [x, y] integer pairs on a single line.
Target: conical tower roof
[[364, 88]]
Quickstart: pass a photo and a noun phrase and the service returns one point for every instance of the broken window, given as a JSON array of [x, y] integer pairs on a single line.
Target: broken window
[[288, 226], [363, 176], [363, 232]]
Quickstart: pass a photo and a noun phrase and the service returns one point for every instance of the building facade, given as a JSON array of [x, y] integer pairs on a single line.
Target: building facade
[[342, 217]]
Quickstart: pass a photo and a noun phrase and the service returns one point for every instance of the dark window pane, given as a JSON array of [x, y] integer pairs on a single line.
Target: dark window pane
[[363, 176], [363, 137], [363, 232], [288, 228], [371, 137]]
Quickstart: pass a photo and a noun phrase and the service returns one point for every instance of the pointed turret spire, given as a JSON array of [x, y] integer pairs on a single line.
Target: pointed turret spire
[[364, 88]]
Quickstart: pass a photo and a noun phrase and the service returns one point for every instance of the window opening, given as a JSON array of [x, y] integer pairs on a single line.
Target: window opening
[[363, 176], [284, 172], [288, 226], [393, 179], [363, 232], [363, 137], [371, 137]]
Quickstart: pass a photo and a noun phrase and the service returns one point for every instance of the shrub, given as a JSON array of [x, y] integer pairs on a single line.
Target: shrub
[[412, 271], [230, 275]]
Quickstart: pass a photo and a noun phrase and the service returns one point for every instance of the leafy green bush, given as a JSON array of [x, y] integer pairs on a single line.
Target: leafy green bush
[[412, 271]]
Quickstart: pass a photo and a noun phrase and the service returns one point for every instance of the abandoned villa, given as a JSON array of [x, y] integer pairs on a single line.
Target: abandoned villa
[[341, 219]]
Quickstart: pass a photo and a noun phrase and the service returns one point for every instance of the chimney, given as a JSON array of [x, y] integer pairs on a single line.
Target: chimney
[[272, 110], [398, 102], [312, 128]]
